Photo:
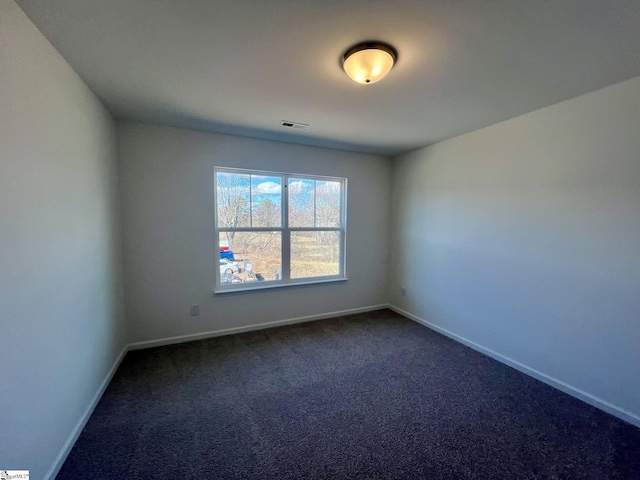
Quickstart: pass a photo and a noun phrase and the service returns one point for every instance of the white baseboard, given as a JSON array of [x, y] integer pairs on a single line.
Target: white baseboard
[[532, 372], [75, 433], [554, 382], [249, 328]]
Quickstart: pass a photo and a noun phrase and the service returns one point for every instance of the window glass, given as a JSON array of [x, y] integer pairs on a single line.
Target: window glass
[[301, 202], [252, 257], [327, 204], [315, 254], [233, 199], [266, 201], [278, 229]]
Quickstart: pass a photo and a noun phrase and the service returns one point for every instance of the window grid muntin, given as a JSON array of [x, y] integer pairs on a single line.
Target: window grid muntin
[[285, 254]]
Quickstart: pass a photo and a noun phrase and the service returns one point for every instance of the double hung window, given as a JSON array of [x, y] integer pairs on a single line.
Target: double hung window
[[275, 229]]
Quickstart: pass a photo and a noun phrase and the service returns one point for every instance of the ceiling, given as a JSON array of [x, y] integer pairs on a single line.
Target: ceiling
[[242, 66]]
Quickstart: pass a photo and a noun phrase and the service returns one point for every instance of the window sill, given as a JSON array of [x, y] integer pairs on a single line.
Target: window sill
[[277, 285]]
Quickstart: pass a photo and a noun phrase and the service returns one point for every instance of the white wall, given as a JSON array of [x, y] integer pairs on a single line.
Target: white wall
[[524, 237], [167, 201], [61, 315]]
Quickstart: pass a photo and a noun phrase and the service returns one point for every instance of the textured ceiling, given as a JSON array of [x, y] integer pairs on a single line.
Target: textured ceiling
[[242, 66]]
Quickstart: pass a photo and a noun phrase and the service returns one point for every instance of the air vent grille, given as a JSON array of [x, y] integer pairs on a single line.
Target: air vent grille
[[294, 125]]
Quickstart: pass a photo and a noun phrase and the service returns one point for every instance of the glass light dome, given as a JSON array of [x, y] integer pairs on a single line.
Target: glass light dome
[[368, 63]]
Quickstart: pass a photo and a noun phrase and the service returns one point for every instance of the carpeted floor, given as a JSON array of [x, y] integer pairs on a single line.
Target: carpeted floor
[[365, 396]]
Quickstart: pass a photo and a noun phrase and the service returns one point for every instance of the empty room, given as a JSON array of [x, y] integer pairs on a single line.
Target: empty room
[[319, 239]]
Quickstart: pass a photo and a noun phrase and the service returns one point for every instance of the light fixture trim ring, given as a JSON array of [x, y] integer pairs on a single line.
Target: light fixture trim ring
[[385, 47]]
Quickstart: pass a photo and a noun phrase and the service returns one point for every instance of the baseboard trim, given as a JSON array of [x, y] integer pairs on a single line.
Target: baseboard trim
[[249, 328], [75, 433], [549, 380], [532, 372]]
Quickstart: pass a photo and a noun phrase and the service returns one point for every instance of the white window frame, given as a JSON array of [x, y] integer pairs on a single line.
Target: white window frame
[[285, 244]]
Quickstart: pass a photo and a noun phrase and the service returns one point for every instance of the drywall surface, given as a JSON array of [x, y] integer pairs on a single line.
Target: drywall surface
[[167, 202], [61, 312], [524, 237]]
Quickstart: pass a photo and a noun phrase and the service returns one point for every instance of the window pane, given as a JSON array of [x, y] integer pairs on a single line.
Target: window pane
[[266, 201], [327, 204], [256, 257], [251, 227], [315, 254], [301, 202], [232, 191]]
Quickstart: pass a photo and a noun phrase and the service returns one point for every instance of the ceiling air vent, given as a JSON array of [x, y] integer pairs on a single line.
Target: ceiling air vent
[[294, 125]]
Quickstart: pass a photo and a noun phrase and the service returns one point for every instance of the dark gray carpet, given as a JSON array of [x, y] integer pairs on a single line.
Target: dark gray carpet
[[365, 396]]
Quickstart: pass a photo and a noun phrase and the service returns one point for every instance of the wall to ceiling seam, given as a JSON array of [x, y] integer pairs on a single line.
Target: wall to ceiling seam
[[524, 237], [61, 312], [167, 202], [521, 238]]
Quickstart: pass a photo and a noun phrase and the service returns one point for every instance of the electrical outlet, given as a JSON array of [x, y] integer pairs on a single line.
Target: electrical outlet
[[403, 292], [195, 310]]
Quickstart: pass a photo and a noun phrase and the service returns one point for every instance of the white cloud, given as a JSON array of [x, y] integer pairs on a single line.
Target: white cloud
[[268, 188], [299, 186]]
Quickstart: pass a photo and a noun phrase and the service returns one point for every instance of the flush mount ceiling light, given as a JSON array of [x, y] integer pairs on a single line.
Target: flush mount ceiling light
[[368, 62]]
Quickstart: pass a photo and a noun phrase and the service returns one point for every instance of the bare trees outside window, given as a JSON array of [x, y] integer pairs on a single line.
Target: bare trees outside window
[[279, 228]]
